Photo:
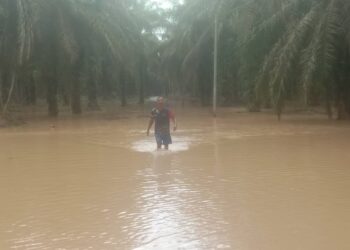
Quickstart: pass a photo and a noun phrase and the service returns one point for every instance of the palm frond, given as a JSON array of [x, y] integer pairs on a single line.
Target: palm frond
[[283, 55]]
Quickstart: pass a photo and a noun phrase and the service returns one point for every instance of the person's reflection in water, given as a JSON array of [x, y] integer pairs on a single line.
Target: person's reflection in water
[[162, 165]]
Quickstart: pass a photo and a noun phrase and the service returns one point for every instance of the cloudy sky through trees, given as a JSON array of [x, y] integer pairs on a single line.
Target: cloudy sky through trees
[[165, 4]]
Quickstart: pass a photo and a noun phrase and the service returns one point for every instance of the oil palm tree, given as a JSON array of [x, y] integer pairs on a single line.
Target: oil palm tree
[[309, 54], [66, 41], [277, 51]]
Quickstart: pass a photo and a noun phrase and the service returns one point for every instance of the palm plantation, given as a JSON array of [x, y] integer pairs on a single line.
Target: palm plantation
[[175, 124], [271, 53]]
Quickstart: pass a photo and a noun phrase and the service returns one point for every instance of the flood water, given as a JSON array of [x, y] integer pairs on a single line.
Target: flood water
[[241, 181]]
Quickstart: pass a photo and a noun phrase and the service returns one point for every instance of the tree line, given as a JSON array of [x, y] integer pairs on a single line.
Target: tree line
[[270, 52]]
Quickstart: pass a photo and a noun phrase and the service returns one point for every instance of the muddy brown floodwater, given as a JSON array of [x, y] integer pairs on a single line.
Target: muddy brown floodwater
[[242, 182]]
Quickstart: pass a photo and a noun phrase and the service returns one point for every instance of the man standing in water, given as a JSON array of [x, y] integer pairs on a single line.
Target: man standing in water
[[161, 117]]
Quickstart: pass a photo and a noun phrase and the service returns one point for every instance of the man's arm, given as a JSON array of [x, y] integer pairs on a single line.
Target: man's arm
[[150, 124], [175, 123], [173, 119]]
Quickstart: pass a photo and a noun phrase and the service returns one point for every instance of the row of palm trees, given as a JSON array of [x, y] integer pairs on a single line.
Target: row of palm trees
[[61, 50], [270, 52]]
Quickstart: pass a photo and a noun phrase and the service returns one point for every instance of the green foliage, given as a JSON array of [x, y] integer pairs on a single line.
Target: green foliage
[[271, 52], [72, 43]]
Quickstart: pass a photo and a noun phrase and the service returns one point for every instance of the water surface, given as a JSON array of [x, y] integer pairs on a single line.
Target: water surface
[[238, 182]]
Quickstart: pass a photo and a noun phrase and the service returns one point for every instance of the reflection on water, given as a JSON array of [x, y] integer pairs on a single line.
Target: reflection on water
[[180, 143], [240, 182], [168, 215]]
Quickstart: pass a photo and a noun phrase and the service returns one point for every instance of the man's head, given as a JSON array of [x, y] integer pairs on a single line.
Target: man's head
[[160, 102]]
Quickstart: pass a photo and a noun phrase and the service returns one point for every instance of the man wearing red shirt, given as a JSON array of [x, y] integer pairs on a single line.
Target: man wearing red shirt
[[161, 117]]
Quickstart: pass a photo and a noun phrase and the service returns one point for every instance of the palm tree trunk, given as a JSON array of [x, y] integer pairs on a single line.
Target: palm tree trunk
[[347, 103], [142, 80], [141, 93], [64, 91], [12, 86], [75, 97], [329, 107], [1, 91], [31, 91], [92, 94], [123, 88], [182, 92], [4, 87], [341, 108], [52, 97], [279, 108], [215, 70]]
